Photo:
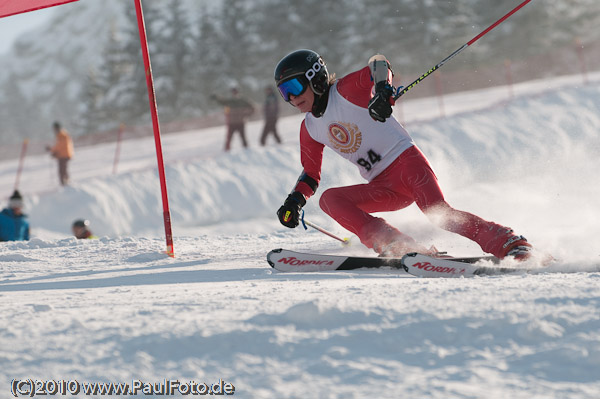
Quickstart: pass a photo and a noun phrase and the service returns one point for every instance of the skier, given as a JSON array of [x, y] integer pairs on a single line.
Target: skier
[[13, 222], [353, 117]]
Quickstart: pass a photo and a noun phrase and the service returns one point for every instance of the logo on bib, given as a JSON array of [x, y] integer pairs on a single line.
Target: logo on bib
[[345, 137]]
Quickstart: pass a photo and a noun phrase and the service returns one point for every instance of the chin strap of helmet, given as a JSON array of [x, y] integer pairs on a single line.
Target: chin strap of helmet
[[320, 104]]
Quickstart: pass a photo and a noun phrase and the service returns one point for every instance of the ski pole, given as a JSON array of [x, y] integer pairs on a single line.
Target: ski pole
[[345, 241], [464, 46]]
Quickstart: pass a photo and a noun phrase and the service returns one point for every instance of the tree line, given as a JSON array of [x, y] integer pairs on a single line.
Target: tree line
[[204, 49]]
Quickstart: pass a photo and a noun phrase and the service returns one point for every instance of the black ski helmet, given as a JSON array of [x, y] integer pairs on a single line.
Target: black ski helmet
[[81, 223], [307, 64]]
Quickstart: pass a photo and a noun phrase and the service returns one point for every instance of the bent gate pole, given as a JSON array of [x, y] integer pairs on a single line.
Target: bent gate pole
[[21, 161], [155, 126]]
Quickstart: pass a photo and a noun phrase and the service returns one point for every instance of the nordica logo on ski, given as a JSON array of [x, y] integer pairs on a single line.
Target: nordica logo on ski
[[439, 269], [299, 262]]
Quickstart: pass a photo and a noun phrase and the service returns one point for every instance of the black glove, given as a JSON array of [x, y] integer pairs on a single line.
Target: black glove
[[289, 213], [380, 106]]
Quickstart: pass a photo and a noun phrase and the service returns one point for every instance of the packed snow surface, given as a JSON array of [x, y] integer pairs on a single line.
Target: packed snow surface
[[119, 310]]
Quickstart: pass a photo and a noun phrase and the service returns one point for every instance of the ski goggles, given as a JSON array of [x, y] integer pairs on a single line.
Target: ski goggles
[[293, 87]]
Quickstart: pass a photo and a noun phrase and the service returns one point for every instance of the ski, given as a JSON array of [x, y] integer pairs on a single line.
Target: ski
[[427, 266], [415, 264], [290, 261]]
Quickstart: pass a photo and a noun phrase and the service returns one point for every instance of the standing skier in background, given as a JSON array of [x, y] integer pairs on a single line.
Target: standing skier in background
[[62, 151], [271, 110], [353, 116], [237, 110]]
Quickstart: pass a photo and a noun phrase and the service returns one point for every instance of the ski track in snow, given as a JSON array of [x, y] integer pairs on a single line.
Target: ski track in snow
[[117, 309]]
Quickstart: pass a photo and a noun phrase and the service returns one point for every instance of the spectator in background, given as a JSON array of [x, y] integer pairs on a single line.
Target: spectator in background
[[13, 222], [271, 116], [81, 229], [62, 151], [237, 109]]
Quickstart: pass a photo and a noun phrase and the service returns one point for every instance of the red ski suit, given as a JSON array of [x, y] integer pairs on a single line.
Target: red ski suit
[[406, 178]]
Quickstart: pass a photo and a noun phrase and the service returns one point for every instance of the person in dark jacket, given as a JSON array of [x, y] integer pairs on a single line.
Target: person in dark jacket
[[13, 222], [237, 109], [271, 116]]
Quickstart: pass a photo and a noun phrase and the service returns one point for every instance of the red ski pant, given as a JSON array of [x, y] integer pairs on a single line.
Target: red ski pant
[[408, 179]]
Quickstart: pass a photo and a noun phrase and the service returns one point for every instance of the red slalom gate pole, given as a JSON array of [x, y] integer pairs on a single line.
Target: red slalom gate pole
[[509, 79], [579, 48], [118, 148], [155, 126], [439, 91], [464, 46], [21, 161]]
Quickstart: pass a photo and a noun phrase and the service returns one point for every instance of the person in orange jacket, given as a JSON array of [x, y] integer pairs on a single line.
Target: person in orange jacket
[[62, 151]]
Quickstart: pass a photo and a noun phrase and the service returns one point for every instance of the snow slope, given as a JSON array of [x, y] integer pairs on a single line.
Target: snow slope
[[117, 309]]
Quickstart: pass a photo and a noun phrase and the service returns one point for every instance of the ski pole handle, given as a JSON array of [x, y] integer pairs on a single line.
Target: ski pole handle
[[464, 46]]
